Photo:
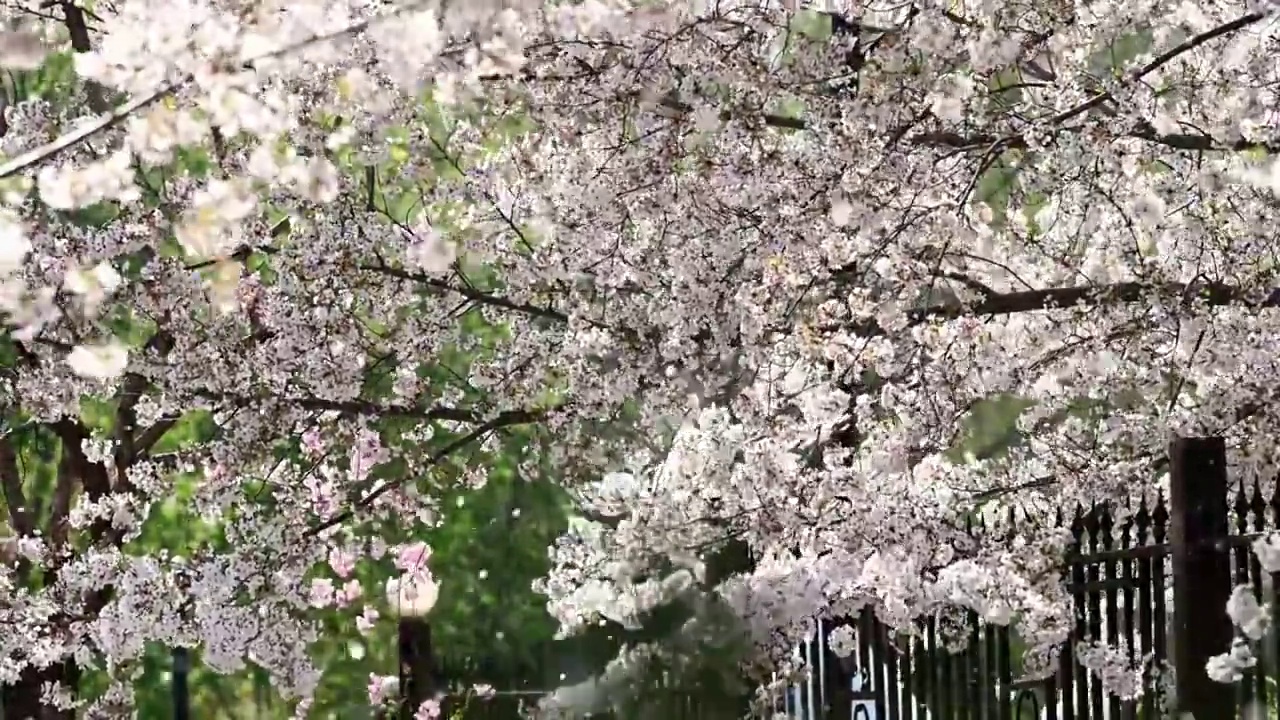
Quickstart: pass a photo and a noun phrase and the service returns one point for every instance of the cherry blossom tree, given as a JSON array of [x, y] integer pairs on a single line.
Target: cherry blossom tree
[[304, 427], [875, 227], [742, 272]]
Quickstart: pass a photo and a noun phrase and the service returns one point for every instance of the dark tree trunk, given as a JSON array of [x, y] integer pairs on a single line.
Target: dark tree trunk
[[417, 666], [21, 701]]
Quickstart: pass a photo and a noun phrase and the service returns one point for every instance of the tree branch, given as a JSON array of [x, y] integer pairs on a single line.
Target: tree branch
[[93, 477], [501, 420], [49, 150], [472, 294], [73, 19], [1163, 59], [15, 499], [161, 342], [60, 505], [368, 408], [1144, 131], [1211, 294], [147, 439]]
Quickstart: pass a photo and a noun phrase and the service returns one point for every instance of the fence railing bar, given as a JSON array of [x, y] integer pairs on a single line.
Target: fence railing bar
[[1103, 585], [1101, 556]]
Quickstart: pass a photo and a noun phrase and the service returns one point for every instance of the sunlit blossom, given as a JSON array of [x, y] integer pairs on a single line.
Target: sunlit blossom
[[99, 362]]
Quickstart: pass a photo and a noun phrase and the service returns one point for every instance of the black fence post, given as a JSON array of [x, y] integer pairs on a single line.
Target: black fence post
[[1201, 573], [837, 683], [181, 658], [417, 669]]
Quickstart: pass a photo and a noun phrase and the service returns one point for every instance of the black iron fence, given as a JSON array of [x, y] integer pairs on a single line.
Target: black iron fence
[[1117, 574], [1126, 569]]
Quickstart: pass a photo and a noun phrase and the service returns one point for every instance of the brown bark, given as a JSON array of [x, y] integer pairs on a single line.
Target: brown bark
[[14, 498], [21, 701], [73, 18]]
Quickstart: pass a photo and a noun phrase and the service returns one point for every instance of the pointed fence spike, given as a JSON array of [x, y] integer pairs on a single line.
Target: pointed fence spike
[[1160, 519]]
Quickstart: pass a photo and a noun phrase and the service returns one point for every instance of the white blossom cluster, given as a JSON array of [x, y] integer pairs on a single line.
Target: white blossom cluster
[[1251, 619], [758, 273]]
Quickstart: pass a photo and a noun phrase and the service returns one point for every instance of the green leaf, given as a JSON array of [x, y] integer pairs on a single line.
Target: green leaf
[[260, 263], [152, 181], [1034, 202], [403, 208], [1004, 86], [1253, 154], [8, 351], [171, 248], [96, 216], [194, 161], [276, 217], [812, 24], [1115, 58], [54, 81], [281, 228], [98, 414], [995, 188], [990, 428], [191, 429], [132, 329]]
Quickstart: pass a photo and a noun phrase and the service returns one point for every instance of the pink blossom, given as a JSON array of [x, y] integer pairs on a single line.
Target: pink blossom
[[312, 442], [428, 710], [367, 620], [322, 593], [350, 592], [382, 688], [342, 562], [413, 556]]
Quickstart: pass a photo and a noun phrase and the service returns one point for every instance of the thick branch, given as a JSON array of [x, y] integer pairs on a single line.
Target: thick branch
[[1144, 131], [1177, 141], [60, 505], [92, 476], [148, 438], [73, 19], [364, 408], [127, 437], [14, 498], [23, 699], [1211, 294]]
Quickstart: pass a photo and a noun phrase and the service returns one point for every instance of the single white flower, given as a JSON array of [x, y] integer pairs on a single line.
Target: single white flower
[[94, 283], [1268, 551], [1247, 614], [432, 252], [99, 362], [706, 119], [107, 276], [413, 594], [841, 211]]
